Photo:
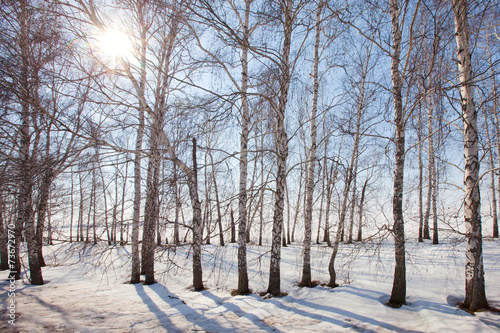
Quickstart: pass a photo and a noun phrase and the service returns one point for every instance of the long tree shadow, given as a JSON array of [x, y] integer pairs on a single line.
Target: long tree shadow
[[368, 294], [344, 313], [417, 305], [54, 308], [174, 302], [163, 318], [233, 308]]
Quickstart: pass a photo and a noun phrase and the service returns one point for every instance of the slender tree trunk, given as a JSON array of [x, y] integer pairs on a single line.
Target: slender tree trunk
[[135, 276], [217, 203], [177, 208], [92, 198], [331, 265], [329, 190], [435, 230], [340, 226], [105, 197], [152, 211], [72, 209], [25, 205], [4, 254], [79, 227], [263, 189], [475, 295], [430, 171], [306, 267], [326, 178], [207, 211], [233, 228], [297, 205], [197, 227], [492, 178], [497, 131], [352, 169], [282, 152], [398, 293], [283, 236], [94, 211], [360, 212], [322, 194], [420, 184], [353, 202], [493, 197], [243, 288], [43, 200], [122, 211]]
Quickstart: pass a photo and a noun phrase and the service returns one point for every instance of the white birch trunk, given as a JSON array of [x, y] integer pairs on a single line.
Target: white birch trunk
[[475, 296], [306, 268], [242, 196], [281, 141]]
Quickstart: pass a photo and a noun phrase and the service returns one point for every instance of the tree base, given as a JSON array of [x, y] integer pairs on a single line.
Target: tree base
[[462, 306], [134, 282], [312, 284], [395, 305], [267, 295], [199, 288], [237, 292]]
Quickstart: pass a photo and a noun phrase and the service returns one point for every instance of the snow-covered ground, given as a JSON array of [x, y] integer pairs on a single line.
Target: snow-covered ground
[[87, 292]]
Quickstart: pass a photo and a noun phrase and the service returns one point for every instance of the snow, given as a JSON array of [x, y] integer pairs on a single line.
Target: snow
[[87, 292]]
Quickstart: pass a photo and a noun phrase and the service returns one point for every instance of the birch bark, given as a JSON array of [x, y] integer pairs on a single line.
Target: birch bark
[[475, 295], [306, 268], [281, 141], [398, 294]]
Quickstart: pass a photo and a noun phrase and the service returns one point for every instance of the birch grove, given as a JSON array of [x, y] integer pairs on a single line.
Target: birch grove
[[204, 127]]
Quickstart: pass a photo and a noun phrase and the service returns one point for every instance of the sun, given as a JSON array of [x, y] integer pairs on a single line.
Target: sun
[[115, 43]]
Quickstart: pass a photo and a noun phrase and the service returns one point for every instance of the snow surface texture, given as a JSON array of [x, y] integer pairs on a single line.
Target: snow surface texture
[[87, 292]]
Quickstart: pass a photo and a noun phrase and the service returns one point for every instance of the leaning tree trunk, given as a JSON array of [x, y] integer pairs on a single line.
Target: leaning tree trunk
[[351, 170], [330, 181], [475, 295], [360, 212], [217, 202], [340, 226]]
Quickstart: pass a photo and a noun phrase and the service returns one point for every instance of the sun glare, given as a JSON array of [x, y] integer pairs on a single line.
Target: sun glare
[[115, 43]]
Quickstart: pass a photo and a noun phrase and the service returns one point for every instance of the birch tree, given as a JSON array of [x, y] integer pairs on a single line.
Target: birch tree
[[238, 37], [281, 141], [475, 295], [398, 293], [306, 268]]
